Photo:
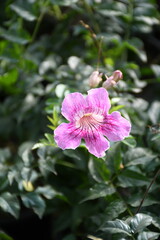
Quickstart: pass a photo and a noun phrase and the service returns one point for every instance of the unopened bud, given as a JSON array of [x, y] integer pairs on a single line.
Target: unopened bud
[[95, 78], [117, 75], [113, 79]]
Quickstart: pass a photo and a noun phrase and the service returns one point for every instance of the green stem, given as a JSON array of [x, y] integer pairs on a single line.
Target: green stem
[[147, 190], [96, 42], [99, 52], [39, 20]]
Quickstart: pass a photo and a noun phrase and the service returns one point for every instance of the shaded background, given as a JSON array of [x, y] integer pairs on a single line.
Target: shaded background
[[46, 52]]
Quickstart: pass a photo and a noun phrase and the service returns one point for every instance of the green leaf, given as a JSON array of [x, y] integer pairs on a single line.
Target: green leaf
[[156, 221], [4, 236], [114, 209], [154, 112], [138, 156], [14, 37], [69, 237], [129, 178], [27, 157], [156, 69], [116, 108], [98, 191], [34, 201], [47, 191], [148, 236], [114, 157], [49, 138], [47, 159], [9, 78], [5, 154], [9, 203], [23, 12], [98, 169], [117, 226], [64, 2], [37, 145], [157, 136], [139, 222], [136, 199], [130, 141]]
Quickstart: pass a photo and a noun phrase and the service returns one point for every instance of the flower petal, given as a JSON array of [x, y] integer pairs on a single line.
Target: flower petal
[[72, 105], [98, 100], [67, 136], [116, 127], [97, 144]]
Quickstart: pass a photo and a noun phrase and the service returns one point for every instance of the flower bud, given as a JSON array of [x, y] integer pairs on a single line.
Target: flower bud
[[95, 78], [113, 79], [117, 75]]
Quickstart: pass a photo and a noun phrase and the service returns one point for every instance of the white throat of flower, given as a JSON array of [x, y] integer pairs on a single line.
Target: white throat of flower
[[89, 121]]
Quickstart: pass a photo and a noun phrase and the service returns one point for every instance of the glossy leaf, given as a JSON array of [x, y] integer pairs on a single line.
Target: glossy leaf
[[148, 236], [117, 226], [23, 12], [139, 222], [34, 201], [9, 203]]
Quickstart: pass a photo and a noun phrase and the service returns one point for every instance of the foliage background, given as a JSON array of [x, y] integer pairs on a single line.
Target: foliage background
[[45, 53]]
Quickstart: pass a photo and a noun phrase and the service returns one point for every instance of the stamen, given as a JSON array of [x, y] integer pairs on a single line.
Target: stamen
[[89, 121]]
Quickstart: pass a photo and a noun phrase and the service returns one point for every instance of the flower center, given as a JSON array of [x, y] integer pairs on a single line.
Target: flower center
[[89, 121]]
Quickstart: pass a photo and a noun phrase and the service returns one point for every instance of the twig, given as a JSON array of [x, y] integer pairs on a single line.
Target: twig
[[147, 190], [37, 26], [97, 43]]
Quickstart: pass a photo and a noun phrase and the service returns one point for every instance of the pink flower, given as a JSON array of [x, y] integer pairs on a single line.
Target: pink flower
[[89, 120], [113, 79]]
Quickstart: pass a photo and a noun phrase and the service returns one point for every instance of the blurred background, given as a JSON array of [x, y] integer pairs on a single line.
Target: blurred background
[[46, 52]]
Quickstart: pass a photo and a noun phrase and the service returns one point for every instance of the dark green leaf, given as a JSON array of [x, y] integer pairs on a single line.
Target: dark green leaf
[[4, 236], [138, 156], [130, 141], [114, 209], [148, 236], [129, 178], [98, 169], [13, 37], [98, 191], [47, 191], [154, 112], [34, 201], [9, 203]]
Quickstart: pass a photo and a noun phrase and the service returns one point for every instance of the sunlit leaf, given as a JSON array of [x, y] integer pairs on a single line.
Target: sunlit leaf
[[117, 226], [139, 222], [23, 12], [148, 236]]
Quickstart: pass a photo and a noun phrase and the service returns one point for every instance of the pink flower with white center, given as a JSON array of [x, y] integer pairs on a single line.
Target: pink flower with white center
[[90, 120]]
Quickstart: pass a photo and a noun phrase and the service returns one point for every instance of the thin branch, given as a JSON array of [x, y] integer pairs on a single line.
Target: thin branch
[[147, 190], [97, 43]]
